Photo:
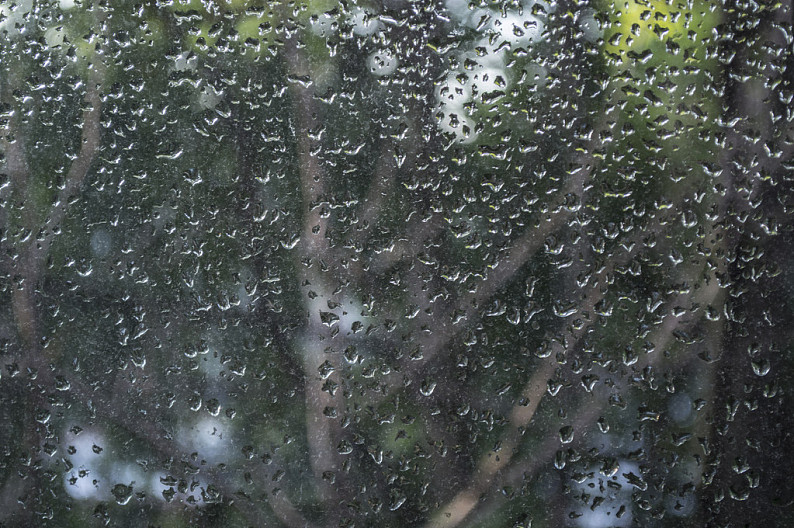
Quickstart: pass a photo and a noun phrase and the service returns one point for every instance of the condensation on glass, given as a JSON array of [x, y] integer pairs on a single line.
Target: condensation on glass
[[428, 263]]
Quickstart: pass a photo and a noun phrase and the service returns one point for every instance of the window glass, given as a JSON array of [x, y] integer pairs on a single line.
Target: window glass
[[429, 263]]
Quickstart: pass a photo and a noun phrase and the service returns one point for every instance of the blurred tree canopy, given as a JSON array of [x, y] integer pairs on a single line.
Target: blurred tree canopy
[[396, 263]]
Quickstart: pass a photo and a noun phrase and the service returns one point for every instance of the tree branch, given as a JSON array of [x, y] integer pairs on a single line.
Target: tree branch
[[26, 315], [381, 187], [313, 245], [523, 248], [489, 465], [661, 337]]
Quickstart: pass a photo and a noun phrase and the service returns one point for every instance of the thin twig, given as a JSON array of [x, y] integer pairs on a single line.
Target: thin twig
[[90, 142]]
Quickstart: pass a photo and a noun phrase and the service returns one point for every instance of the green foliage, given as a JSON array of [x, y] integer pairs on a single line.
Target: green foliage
[[394, 264]]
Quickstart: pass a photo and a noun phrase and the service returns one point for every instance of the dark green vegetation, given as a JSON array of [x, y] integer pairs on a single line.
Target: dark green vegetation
[[409, 263]]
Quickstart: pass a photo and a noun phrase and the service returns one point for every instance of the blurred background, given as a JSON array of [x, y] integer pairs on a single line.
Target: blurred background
[[396, 263]]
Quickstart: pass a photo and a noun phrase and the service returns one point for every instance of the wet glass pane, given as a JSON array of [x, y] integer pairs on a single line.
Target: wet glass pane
[[429, 263]]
